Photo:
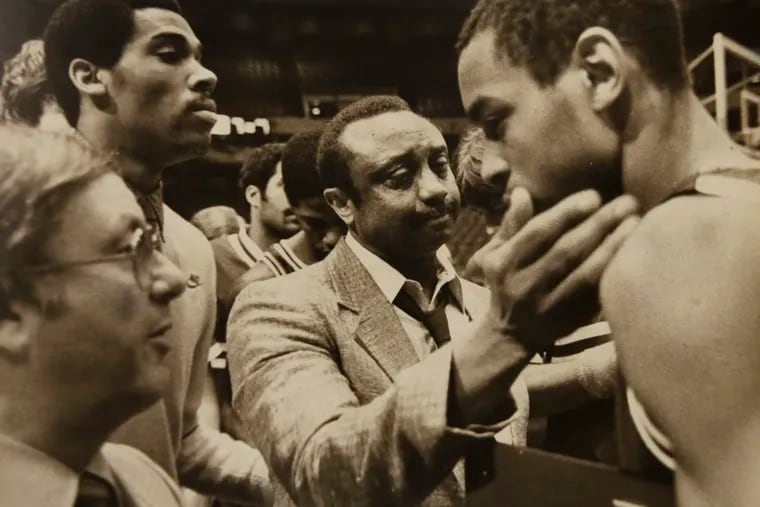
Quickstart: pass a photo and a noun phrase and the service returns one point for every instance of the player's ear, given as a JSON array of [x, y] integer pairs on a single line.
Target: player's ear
[[599, 54], [253, 196], [341, 203], [87, 77]]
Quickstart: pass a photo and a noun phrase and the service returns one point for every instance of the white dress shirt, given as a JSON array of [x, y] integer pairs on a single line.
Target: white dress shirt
[[459, 317], [390, 282]]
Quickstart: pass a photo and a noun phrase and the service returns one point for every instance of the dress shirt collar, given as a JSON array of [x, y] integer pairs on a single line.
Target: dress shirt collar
[[390, 281], [31, 477]]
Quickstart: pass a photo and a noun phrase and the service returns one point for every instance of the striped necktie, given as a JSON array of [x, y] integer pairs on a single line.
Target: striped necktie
[[434, 319], [479, 467], [152, 207]]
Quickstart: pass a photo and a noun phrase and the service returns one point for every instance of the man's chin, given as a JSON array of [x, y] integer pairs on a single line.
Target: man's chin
[[434, 240], [200, 144], [146, 391]]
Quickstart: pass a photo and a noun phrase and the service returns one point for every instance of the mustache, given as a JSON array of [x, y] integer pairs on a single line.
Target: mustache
[[447, 208]]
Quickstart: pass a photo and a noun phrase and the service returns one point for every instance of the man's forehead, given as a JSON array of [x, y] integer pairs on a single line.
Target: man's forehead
[[482, 71], [151, 22], [108, 192], [103, 209], [388, 129]]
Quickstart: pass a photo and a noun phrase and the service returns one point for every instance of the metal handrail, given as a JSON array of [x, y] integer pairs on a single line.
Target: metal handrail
[[720, 46]]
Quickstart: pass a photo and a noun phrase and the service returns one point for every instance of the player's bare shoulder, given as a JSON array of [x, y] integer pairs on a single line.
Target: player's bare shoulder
[[686, 281], [686, 241]]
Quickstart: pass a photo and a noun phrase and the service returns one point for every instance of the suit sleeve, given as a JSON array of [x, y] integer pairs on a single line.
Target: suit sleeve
[[211, 462], [300, 411]]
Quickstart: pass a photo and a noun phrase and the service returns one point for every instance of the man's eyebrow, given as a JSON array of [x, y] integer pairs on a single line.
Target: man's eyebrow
[[481, 104], [439, 150], [394, 159], [177, 39]]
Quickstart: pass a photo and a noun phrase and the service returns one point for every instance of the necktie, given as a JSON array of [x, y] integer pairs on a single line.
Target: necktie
[[479, 468], [95, 492], [153, 210], [434, 320]]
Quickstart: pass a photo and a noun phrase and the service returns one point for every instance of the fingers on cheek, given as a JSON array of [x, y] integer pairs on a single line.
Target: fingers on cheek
[[583, 281], [623, 230], [590, 271], [586, 277], [521, 286], [497, 264], [576, 263], [562, 259]]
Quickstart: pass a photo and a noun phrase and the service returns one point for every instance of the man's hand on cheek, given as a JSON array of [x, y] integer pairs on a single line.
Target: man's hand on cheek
[[544, 270]]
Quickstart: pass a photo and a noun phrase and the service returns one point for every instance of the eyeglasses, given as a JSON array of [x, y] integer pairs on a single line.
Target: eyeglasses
[[143, 245]]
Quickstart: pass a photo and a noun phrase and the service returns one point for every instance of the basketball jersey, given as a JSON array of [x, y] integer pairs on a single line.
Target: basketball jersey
[[281, 260]]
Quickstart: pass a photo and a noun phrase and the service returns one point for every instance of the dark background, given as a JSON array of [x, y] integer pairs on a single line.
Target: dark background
[[279, 59]]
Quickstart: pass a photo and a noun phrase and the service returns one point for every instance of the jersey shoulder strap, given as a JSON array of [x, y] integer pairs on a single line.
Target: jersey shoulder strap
[[742, 184]]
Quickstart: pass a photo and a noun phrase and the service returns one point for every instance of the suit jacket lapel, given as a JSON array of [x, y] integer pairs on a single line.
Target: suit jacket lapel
[[377, 328], [374, 322]]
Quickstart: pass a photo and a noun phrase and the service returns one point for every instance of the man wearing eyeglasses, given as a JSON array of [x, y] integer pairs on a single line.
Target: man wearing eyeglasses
[[138, 88], [73, 240]]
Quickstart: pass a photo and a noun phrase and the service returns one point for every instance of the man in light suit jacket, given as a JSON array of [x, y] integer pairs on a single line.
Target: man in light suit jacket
[[352, 399]]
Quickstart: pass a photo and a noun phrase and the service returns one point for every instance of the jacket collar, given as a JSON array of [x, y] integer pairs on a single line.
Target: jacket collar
[[367, 312]]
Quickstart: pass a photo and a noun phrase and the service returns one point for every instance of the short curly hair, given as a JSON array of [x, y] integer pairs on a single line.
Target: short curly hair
[[95, 30], [260, 166], [541, 34], [333, 156], [299, 167], [35, 185], [24, 87]]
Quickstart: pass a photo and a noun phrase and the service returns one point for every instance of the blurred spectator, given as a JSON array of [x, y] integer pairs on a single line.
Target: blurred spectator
[[481, 175], [483, 203], [321, 228], [270, 220], [26, 96], [217, 221], [84, 311]]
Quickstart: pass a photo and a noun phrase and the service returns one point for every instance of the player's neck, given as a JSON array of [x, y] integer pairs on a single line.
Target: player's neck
[[303, 249], [678, 138], [141, 174], [261, 234], [138, 175]]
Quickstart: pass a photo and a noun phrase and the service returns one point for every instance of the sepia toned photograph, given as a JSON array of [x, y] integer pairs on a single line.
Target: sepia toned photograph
[[379, 253]]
